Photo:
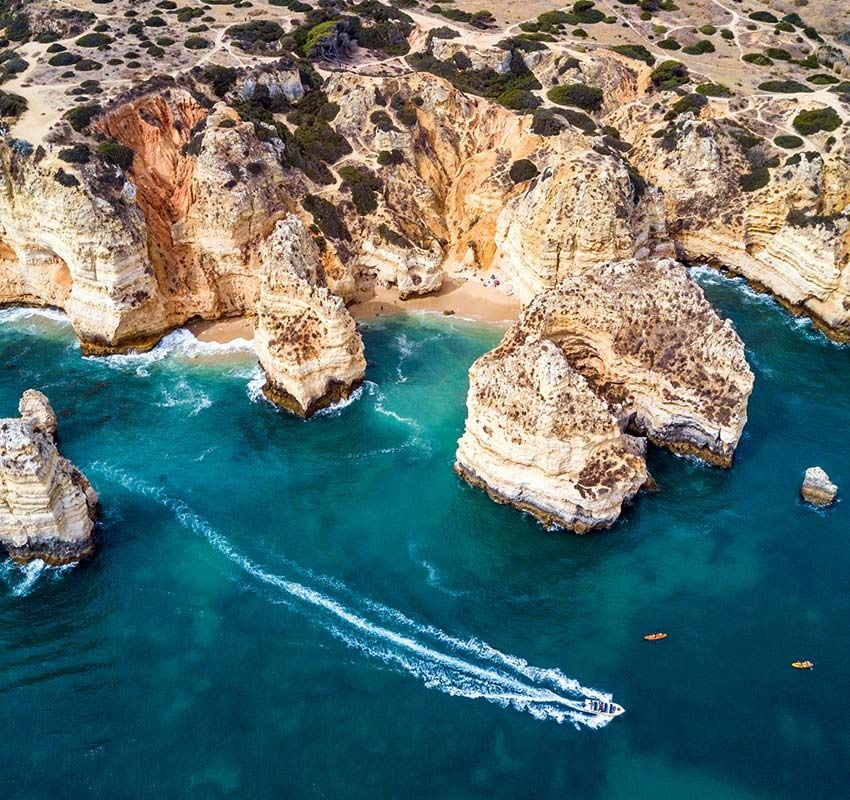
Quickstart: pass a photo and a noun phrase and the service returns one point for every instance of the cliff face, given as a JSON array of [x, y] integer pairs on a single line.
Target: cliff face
[[790, 237], [649, 343], [306, 340], [625, 349], [584, 208], [47, 507]]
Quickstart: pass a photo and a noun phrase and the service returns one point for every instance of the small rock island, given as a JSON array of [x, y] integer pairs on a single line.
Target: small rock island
[[47, 506]]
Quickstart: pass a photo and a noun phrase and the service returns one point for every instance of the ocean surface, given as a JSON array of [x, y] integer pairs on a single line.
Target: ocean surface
[[288, 609]]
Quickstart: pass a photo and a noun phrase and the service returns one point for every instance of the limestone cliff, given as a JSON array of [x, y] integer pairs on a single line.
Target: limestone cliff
[[306, 340], [47, 507], [626, 349]]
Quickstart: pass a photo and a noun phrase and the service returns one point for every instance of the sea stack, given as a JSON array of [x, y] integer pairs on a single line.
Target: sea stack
[[47, 506], [306, 340], [626, 352], [817, 488]]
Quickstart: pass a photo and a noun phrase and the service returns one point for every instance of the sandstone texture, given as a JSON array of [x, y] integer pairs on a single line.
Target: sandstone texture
[[817, 488], [47, 506], [626, 352], [306, 340]]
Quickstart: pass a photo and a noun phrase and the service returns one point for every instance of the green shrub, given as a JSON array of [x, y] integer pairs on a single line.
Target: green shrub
[[364, 186], [822, 79], [778, 54], [788, 142], [382, 121], [65, 179], [75, 154], [260, 32], [518, 99], [669, 75], [816, 120], [713, 90], [117, 154], [196, 43], [12, 105], [707, 30], [523, 170], [579, 95], [759, 59], [784, 87], [690, 103], [221, 79], [755, 180], [763, 16], [80, 117], [669, 44], [635, 51], [94, 40], [699, 48], [327, 217], [390, 158]]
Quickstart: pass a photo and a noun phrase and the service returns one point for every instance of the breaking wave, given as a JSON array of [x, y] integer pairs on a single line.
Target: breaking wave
[[458, 667], [22, 578], [182, 344]]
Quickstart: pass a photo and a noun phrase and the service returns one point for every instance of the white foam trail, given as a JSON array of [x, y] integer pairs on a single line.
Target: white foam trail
[[497, 677]]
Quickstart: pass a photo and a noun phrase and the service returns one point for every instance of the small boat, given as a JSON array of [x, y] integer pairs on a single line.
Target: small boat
[[803, 664], [655, 637], [603, 707]]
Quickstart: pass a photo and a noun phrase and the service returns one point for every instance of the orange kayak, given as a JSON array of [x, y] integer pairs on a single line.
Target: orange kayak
[[803, 664], [655, 637]]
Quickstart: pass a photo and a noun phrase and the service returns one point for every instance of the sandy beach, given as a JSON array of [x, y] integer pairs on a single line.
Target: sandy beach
[[469, 299]]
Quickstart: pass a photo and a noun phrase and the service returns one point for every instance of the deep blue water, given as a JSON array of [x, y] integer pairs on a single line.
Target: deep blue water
[[322, 609]]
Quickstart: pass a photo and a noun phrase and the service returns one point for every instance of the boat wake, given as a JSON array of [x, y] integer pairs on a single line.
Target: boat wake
[[459, 667]]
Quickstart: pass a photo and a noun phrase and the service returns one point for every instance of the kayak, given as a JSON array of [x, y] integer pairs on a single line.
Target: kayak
[[803, 664], [655, 637]]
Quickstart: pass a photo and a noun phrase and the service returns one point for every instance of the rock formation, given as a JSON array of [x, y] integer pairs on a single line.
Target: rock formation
[[538, 438], [817, 488], [47, 506], [625, 349], [306, 340]]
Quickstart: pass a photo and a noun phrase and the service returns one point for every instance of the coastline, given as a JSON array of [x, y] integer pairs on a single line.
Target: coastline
[[465, 298]]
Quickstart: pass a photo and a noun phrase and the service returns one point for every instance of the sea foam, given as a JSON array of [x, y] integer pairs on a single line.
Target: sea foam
[[458, 667]]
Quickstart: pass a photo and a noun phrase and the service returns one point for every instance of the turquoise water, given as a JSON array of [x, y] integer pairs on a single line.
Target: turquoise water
[[321, 609]]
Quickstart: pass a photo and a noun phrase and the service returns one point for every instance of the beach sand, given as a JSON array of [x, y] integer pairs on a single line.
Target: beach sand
[[469, 299], [223, 330]]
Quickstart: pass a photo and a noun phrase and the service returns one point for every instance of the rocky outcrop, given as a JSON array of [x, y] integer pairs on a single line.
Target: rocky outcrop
[[306, 340], [817, 488], [539, 439], [47, 506], [791, 237], [584, 208], [626, 349], [647, 340]]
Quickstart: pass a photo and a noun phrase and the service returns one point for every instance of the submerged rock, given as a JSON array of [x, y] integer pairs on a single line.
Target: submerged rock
[[306, 340], [47, 506], [632, 349], [817, 488]]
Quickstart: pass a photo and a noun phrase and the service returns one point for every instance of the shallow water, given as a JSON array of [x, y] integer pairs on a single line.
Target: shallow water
[[290, 609]]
